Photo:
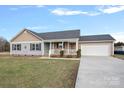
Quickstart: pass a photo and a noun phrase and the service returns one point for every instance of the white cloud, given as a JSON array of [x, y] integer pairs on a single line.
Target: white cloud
[[25, 6], [93, 13], [67, 12], [106, 9], [111, 9], [119, 36], [63, 11], [37, 27]]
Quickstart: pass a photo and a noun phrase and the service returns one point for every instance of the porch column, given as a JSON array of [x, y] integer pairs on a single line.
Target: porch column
[[50, 50], [76, 45], [68, 47], [53, 48], [112, 48], [10, 48], [62, 45], [42, 48]]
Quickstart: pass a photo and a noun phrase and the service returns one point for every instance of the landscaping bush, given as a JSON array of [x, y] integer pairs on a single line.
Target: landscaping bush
[[54, 56], [61, 53], [79, 53], [69, 56]]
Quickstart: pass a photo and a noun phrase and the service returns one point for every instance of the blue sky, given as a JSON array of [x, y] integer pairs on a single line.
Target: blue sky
[[89, 19]]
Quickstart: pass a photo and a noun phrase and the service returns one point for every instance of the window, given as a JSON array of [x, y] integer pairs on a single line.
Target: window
[[32, 46], [13, 46], [16, 46], [38, 46], [35, 46]]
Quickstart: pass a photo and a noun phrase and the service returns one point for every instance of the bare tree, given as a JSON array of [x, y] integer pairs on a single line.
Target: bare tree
[[4, 44], [119, 44]]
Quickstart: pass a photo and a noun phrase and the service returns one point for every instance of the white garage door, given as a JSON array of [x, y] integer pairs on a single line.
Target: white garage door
[[96, 49]]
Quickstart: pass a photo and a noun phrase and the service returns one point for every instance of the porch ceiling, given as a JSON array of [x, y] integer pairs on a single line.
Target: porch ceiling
[[58, 41]]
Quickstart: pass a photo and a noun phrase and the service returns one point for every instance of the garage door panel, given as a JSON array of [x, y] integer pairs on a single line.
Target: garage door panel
[[96, 49]]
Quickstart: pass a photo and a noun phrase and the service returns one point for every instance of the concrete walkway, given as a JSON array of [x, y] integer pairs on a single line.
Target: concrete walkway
[[100, 72], [59, 58]]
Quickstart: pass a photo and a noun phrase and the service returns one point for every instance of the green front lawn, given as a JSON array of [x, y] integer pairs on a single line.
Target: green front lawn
[[119, 56], [36, 72]]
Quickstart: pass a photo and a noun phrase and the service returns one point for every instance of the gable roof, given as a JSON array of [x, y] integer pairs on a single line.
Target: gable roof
[[96, 38], [28, 32], [67, 34]]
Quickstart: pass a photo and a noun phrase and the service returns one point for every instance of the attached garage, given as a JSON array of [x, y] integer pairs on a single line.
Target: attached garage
[[103, 46], [96, 49]]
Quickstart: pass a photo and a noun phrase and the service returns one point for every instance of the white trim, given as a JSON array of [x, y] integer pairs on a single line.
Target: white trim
[[11, 49], [22, 32], [76, 45], [96, 41], [60, 40], [53, 47], [50, 50], [62, 46], [27, 42], [68, 48], [113, 48], [42, 48]]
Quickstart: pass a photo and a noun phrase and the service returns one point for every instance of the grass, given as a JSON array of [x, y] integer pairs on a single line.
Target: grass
[[34, 72], [119, 56]]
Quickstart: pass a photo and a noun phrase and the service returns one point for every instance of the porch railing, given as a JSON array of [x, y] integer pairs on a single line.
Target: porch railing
[[66, 51]]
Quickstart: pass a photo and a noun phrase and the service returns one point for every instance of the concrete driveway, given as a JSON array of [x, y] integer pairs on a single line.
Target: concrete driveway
[[100, 72]]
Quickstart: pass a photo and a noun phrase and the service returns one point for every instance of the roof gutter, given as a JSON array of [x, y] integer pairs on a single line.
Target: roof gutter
[[96, 41]]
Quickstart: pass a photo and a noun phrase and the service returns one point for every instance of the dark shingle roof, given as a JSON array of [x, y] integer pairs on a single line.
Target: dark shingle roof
[[67, 34], [96, 37], [58, 35]]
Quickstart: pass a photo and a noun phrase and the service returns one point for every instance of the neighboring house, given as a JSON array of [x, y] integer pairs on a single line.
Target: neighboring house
[[28, 42], [119, 48]]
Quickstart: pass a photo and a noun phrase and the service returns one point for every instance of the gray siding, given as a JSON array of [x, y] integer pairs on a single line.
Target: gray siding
[[25, 51]]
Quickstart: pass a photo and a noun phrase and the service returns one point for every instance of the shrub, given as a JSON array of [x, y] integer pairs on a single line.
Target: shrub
[[61, 53], [54, 56], [78, 53], [69, 56]]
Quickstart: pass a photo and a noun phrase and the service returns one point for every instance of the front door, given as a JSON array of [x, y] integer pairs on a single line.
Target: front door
[[46, 48], [25, 49]]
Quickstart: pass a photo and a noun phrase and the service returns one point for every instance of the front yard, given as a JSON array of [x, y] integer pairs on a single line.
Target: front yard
[[119, 56], [36, 72]]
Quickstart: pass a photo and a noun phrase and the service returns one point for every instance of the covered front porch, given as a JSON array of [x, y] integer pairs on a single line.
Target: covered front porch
[[54, 47]]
